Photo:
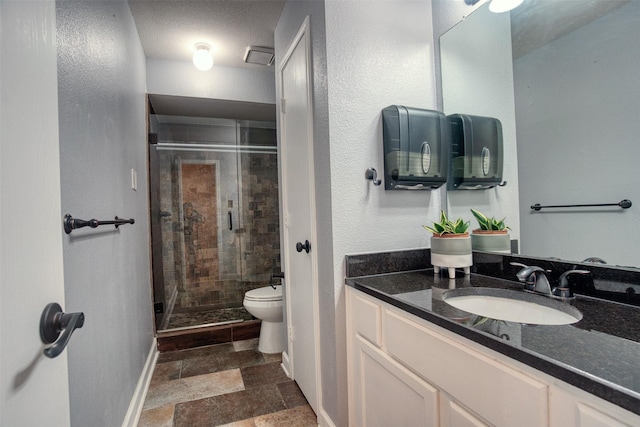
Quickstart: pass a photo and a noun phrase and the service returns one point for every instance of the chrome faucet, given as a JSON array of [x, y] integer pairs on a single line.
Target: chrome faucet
[[534, 278]]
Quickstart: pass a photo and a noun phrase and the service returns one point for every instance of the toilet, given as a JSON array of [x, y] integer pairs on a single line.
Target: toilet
[[266, 305]]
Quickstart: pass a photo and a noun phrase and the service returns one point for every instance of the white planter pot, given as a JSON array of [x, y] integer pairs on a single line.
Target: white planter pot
[[451, 252]]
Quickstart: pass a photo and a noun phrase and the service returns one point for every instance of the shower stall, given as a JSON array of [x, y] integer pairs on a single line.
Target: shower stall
[[214, 217]]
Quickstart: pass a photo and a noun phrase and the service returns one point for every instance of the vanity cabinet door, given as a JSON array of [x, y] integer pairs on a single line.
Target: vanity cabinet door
[[577, 409], [502, 395], [452, 414], [387, 394]]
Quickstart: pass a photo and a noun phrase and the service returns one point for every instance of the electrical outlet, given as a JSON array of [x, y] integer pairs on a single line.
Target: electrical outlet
[[134, 180]]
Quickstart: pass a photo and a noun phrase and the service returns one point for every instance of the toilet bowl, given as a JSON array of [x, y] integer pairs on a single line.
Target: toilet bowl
[[266, 305]]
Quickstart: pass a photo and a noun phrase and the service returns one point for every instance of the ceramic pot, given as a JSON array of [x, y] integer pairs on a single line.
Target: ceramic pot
[[491, 241], [451, 251]]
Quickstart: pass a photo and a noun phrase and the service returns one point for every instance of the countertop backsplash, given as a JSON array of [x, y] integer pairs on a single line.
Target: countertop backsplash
[[614, 283]]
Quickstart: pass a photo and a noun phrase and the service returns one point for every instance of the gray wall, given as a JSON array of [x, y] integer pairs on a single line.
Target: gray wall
[[577, 111], [101, 81]]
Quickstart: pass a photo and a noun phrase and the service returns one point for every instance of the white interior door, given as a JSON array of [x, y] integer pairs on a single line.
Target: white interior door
[[299, 219], [35, 389]]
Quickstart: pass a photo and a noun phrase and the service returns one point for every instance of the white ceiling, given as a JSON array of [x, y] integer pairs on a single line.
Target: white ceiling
[[169, 29]]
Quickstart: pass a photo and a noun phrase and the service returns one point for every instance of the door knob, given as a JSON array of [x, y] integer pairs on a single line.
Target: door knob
[[56, 328], [306, 246]]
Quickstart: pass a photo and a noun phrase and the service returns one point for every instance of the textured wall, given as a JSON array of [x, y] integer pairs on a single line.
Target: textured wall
[[378, 54], [101, 81], [577, 112], [183, 79]]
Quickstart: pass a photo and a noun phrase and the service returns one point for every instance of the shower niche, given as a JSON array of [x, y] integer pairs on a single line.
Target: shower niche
[[214, 215]]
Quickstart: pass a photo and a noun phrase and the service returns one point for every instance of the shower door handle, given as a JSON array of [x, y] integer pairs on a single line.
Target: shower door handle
[[306, 246], [230, 221]]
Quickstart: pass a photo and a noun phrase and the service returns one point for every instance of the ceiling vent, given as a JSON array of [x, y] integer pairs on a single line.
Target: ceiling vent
[[259, 55]]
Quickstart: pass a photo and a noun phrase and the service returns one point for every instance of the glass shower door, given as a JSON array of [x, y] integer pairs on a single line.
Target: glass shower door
[[197, 204], [215, 217]]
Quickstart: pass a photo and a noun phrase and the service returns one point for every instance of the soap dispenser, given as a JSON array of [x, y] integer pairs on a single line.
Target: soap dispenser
[[476, 152]]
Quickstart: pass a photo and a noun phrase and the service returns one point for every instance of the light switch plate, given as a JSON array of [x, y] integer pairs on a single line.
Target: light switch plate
[[134, 180]]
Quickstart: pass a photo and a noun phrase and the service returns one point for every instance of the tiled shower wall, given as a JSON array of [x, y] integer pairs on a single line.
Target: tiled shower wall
[[260, 250], [206, 264]]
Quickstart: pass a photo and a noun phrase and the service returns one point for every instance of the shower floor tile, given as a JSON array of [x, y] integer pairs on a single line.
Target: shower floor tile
[[198, 317]]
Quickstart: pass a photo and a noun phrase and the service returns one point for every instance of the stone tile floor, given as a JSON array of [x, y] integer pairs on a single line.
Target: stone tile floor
[[230, 385]]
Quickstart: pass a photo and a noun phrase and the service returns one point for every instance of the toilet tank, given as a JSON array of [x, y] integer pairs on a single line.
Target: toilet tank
[[415, 143]]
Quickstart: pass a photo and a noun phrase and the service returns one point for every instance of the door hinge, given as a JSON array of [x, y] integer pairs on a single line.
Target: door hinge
[[153, 138], [158, 307], [283, 104], [291, 334]]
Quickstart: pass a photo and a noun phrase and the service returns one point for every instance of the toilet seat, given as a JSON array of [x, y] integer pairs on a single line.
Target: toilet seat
[[265, 294]]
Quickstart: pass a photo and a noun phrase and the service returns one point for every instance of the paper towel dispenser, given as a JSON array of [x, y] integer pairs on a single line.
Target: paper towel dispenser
[[476, 152], [415, 148]]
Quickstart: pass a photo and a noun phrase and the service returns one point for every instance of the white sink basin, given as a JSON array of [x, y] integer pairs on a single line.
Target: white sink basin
[[512, 306]]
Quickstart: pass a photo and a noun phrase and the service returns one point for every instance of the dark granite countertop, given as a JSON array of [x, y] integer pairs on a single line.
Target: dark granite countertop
[[599, 354]]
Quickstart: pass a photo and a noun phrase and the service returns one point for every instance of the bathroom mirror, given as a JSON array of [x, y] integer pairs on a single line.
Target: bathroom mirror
[[567, 90]]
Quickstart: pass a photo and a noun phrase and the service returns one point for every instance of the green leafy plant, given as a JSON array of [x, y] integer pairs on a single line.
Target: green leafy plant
[[446, 226], [489, 223]]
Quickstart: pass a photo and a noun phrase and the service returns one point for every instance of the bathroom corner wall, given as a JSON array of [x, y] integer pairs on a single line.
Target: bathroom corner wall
[[378, 54], [102, 122]]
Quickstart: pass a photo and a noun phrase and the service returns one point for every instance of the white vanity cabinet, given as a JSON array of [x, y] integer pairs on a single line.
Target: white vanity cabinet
[[572, 407], [406, 371]]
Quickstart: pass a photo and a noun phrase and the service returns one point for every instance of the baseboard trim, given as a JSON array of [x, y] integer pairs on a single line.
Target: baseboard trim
[[137, 401], [324, 420], [285, 364]]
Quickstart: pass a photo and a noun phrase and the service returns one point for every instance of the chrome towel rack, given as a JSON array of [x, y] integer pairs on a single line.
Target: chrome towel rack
[[71, 223], [624, 204]]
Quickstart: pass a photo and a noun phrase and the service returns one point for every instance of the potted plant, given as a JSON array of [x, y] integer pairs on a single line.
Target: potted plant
[[492, 236], [450, 245]]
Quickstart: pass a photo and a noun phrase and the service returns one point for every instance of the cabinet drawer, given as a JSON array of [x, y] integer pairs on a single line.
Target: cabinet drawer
[[499, 394], [367, 318]]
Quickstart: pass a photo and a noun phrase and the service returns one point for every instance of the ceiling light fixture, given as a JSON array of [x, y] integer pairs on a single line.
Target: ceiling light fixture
[[202, 58], [499, 6]]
